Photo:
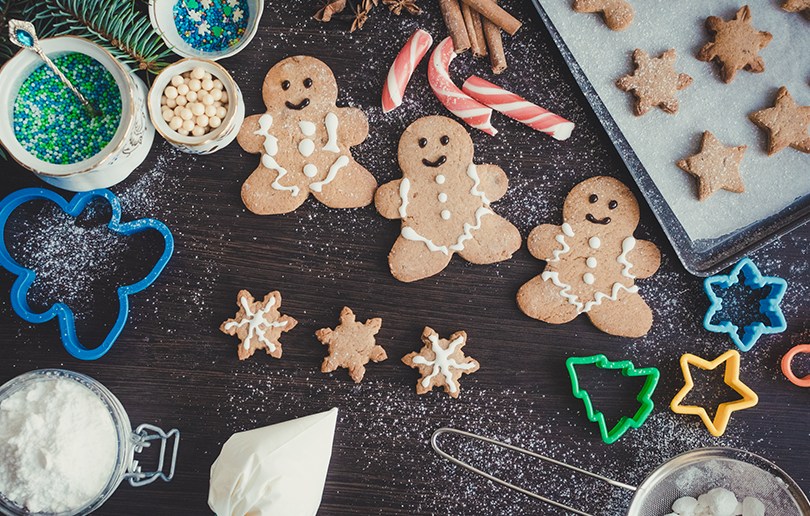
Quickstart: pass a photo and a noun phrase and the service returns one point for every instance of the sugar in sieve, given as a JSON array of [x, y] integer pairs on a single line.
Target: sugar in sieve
[[689, 474]]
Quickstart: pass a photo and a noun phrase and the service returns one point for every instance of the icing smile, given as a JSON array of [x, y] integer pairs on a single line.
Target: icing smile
[[593, 220], [301, 105], [439, 162]]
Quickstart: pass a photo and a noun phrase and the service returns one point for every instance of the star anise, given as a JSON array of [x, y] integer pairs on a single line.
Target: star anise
[[396, 6], [360, 14], [328, 8]]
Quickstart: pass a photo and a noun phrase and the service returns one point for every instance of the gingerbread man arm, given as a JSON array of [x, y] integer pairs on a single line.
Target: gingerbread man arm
[[542, 241], [355, 126], [387, 200], [252, 143], [645, 257], [493, 181]]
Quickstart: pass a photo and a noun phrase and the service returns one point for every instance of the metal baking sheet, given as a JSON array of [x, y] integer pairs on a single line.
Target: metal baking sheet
[[707, 236]]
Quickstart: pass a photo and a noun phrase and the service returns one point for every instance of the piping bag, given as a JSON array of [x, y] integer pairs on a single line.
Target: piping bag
[[276, 469]]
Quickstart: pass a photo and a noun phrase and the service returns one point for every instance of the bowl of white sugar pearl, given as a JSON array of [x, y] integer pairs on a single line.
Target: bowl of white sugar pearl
[[196, 106]]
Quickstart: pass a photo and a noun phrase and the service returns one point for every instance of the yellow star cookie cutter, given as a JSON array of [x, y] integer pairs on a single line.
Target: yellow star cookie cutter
[[732, 379]]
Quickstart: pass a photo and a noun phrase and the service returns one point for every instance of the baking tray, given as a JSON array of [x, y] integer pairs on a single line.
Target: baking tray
[[700, 256]]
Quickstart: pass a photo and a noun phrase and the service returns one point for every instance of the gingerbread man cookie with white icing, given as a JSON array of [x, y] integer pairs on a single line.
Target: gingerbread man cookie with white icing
[[304, 140], [592, 261], [443, 200]]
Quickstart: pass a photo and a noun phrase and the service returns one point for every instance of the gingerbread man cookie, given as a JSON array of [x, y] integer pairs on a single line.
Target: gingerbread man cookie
[[618, 13], [304, 140], [592, 261], [444, 201]]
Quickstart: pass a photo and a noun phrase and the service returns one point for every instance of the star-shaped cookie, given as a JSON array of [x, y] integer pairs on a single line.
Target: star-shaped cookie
[[787, 123], [259, 324], [654, 82], [735, 45], [618, 13], [441, 362], [351, 344], [715, 167], [794, 6]]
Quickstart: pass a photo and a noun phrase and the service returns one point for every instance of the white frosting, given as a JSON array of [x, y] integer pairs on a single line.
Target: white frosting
[[270, 141], [442, 197], [440, 179], [588, 278], [591, 262], [459, 245], [472, 172], [594, 242], [306, 147], [308, 128], [269, 162], [410, 234], [333, 170], [404, 188], [628, 245], [255, 323], [573, 299], [445, 214], [566, 229], [310, 170], [442, 363], [331, 131]]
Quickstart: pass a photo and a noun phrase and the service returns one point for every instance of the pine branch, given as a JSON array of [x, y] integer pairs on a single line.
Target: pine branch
[[114, 24]]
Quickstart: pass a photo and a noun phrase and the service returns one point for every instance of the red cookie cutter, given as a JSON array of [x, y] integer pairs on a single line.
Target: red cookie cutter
[[786, 361]]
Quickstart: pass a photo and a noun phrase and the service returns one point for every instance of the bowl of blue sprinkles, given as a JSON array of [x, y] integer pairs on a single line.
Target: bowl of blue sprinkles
[[206, 29]]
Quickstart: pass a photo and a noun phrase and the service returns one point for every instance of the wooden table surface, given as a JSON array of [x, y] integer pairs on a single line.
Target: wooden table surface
[[172, 367]]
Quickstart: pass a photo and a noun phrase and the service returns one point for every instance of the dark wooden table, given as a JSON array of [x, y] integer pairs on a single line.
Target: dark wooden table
[[172, 367]]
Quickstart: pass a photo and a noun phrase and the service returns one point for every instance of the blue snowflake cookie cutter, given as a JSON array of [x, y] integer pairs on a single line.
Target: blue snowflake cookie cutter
[[768, 306], [26, 277]]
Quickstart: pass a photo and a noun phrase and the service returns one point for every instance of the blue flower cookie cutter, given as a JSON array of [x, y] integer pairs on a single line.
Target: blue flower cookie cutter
[[769, 306], [628, 369], [26, 277]]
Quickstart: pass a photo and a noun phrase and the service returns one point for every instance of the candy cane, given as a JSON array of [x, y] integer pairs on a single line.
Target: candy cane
[[518, 108], [464, 107], [402, 68]]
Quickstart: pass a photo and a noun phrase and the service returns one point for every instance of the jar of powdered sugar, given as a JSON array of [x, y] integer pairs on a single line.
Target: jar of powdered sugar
[[66, 443]]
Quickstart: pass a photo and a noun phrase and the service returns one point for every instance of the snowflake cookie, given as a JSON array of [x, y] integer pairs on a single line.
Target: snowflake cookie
[[592, 261], [443, 200], [441, 362], [304, 140], [258, 324], [654, 82], [351, 344], [735, 45]]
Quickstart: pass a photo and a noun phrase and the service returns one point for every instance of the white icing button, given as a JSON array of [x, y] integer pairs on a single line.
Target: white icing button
[[566, 228], [310, 170], [440, 179], [591, 262], [306, 147], [442, 197], [308, 128], [588, 278], [445, 214], [594, 242]]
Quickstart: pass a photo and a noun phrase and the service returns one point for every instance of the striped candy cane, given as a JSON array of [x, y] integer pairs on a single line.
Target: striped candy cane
[[518, 108], [402, 68], [464, 107]]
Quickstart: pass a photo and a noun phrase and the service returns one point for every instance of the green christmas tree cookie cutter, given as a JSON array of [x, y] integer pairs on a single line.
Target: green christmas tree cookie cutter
[[600, 361]]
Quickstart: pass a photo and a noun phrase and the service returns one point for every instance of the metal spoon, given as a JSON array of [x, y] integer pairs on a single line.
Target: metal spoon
[[22, 34]]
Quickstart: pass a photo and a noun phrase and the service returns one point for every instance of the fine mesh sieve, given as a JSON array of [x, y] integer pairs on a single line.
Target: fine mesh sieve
[[689, 474]]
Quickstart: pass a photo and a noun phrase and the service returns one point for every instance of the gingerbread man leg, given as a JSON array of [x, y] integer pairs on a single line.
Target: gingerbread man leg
[[628, 316], [352, 187], [262, 198], [504, 239], [542, 300], [411, 260]]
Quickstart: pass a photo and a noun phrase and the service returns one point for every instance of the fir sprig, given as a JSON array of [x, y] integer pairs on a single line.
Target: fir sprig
[[114, 24]]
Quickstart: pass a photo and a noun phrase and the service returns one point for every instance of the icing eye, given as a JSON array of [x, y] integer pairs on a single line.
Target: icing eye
[[307, 83], [285, 85], [612, 205], [444, 140], [422, 142], [593, 198]]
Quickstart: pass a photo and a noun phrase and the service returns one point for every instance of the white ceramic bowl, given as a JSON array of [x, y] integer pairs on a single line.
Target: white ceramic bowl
[[130, 143], [161, 14], [209, 142]]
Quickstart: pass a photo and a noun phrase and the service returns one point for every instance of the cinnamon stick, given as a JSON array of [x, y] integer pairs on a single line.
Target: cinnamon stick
[[489, 9], [455, 25], [492, 34], [475, 30]]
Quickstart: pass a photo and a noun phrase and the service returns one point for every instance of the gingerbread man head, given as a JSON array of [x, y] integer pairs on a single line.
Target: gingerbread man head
[[434, 143], [601, 205], [301, 84]]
